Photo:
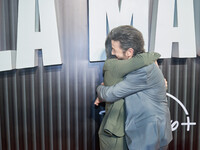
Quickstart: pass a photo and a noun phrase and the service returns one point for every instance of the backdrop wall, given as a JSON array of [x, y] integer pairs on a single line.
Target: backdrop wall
[[51, 108]]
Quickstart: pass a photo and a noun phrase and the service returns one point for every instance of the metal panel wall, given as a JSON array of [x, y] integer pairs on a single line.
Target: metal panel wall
[[51, 108], [183, 83]]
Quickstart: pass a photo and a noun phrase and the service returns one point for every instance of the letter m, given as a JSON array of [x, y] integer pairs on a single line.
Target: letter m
[[104, 15]]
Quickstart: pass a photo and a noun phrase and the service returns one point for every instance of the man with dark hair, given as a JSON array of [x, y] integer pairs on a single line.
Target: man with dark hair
[[128, 37], [147, 125]]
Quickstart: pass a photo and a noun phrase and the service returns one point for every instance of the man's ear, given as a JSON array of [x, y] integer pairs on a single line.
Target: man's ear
[[130, 52]]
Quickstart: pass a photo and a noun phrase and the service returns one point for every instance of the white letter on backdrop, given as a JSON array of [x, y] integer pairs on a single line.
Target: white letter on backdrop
[[184, 34], [8, 60], [98, 9], [28, 40]]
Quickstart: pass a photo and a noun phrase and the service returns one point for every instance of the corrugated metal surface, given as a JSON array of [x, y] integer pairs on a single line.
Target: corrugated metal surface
[[51, 108], [183, 83]]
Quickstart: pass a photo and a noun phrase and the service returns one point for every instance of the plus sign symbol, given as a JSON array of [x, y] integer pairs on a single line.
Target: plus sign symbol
[[175, 124]]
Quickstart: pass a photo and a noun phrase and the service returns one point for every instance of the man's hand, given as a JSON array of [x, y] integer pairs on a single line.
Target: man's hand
[[166, 83], [97, 102], [164, 78]]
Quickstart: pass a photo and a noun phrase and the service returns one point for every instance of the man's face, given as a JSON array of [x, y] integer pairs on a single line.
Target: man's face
[[118, 51]]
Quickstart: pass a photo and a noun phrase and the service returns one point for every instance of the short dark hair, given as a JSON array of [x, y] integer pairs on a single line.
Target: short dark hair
[[128, 36], [108, 47]]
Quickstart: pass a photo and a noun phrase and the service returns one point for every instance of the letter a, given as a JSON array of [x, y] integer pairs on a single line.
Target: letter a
[[28, 40], [183, 34]]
